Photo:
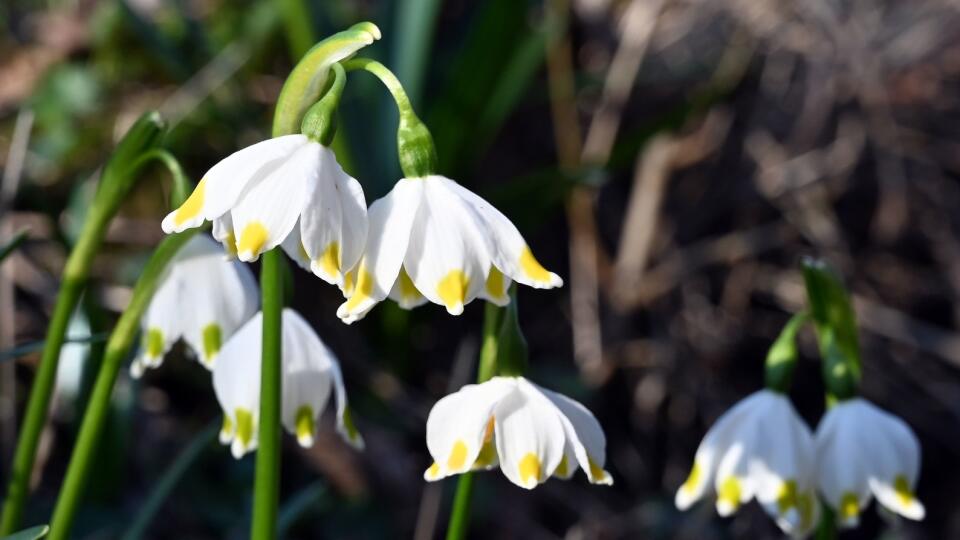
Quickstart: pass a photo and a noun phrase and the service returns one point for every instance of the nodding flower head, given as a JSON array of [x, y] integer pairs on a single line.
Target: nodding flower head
[[758, 449], [432, 239], [310, 374], [529, 431], [201, 298]]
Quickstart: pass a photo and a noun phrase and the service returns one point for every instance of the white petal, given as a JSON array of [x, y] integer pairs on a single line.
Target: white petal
[[306, 377], [222, 186], [458, 426], [583, 434], [785, 453], [842, 475], [405, 293], [529, 437], [895, 459], [447, 257], [223, 233], [236, 382], [267, 212], [507, 247], [355, 221], [292, 245], [222, 296], [497, 287], [391, 219], [161, 323]]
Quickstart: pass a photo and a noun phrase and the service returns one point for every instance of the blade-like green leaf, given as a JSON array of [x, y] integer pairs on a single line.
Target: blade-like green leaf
[[33, 533]]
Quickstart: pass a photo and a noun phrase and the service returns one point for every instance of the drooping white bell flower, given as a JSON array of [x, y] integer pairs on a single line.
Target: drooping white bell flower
[[758, 449], [309, 370], [864, 451], [201, 298], [288, 187], [433, 240], [531, 432]]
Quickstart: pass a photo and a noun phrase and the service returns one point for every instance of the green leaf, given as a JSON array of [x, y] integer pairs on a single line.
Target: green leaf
[[12, 245], [412, 39], [782, 356], [836, 325], [33, 533]]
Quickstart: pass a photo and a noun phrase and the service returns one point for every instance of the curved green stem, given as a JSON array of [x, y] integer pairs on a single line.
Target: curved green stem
[[266, 489], [181, 184], [118, 347], [415, 148], [782, 356], [115, 183]]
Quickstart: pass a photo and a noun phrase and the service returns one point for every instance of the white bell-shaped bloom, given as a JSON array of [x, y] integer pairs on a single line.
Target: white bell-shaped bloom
[[201, 298], [864, 451], [758, 449], [287, 191], [433, 240], [310, 372], [531, 432]]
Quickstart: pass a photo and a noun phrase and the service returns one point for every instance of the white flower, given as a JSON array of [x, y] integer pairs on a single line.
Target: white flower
[[531, 432], [758, 449], [309, 371], [288, 190], [862, 450], [433, 240], [201, 298]]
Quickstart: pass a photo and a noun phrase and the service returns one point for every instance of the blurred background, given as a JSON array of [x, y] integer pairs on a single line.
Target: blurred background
[[671, 159]]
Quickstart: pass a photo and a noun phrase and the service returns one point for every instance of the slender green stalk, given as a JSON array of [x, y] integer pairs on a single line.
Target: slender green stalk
[[117, 179], [486, 368], [181, 187], [266, 489], [118, 347]]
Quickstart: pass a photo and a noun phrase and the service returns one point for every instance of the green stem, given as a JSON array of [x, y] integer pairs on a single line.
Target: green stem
[[782, 356], [118, 347], [266, 489], [486, 369], [415, 148], [827, 529], [181, 184], [115, 182]]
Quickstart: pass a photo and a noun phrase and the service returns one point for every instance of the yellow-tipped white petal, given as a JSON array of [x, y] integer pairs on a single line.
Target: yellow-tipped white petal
[[292, 245], [334, 221], [391, 219], [223, 233], [457, 427], [405, 293], [583, 433], [161, 325], [530, 439], [497, 287], [220, 189], [447, 256], [236, 383], [222, 295], [268, 209], [508, 249]]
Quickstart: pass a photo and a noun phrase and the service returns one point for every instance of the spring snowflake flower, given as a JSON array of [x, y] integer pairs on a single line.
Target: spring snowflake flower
[[287, 191], [202, 298], [862, 450], [433, 240], [758, 449], [310, 370], [531, 432]]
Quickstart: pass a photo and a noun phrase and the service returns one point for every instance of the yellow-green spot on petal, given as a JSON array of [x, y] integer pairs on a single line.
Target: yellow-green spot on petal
[[902, 488], [304, 425], [434, 470], [349, 425], [805, 504], [729, 492], [494, 283], [244, 426], [329, 260], [153, 342], [488, 453], [458, 456], [529, 469], [849, 507], [348, 282], [212, 339], [253, 238], [531, 267], [303, 252], [596, 471], [563, 468], [226, 430], [452, 290], [363, 290], [230, 243], [694, 479], [787, 497], [192, 206], [408, 291]]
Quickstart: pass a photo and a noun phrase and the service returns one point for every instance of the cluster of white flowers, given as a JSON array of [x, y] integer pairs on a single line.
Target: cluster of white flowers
[[762, 449]]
